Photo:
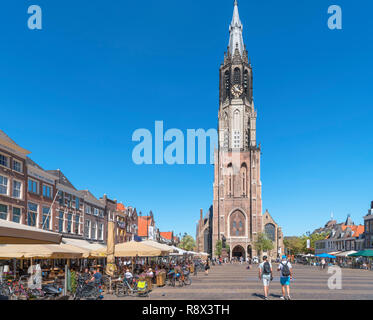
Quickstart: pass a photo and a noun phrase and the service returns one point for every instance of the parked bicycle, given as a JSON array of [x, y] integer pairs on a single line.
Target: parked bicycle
[[90, 290], [132, 286]]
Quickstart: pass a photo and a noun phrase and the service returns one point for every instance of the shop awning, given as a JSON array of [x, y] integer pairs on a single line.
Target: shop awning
[[89, 250], [363, 253], [16, 233], [345, 254], [38, 251], [133, 249], [163, 247]]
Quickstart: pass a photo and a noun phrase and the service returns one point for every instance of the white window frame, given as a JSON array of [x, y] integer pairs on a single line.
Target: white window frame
[[67, 222], [20, 213], [8, 160], [37, 214], [101, 233], [7, 211], [94, 236], [63, 221], [20, 189], [48, 227], [50, 188], [95, 212], [7, 185], [20, 166], [89, 229], [37, 186], [87, 209]]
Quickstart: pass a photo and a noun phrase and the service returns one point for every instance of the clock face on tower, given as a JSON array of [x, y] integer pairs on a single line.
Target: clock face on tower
[[237, 90]]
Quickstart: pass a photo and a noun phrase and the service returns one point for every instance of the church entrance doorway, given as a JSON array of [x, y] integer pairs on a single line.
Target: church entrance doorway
[[238, 252]]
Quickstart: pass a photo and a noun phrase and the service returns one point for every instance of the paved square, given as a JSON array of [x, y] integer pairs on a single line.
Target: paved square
[[234, 281]]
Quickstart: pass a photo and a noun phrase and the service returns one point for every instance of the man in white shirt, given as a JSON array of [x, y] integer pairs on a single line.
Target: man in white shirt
[[286, 274], [265, 274]]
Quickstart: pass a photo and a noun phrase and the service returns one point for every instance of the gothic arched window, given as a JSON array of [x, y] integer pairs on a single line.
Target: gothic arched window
[[243, 179], [236, 130], [237, 76], [270, 231], [227, 83], [230, 178], [246, 81], [237, 223]]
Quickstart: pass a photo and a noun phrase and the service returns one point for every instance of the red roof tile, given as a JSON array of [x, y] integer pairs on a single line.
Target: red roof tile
[[166, 235], [142, 223]]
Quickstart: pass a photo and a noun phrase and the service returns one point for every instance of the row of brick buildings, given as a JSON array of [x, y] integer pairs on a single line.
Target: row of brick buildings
[[346, 236], [46, 199]]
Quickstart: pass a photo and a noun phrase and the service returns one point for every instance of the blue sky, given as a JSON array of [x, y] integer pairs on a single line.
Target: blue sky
[[74, 92]]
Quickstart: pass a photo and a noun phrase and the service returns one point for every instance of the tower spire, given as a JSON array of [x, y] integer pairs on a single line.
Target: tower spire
[[235, 32]]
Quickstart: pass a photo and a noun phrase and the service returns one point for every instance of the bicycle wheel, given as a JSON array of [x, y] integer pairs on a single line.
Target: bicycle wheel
[[187, 281], [120, 290], [4, 291], [181, 283]]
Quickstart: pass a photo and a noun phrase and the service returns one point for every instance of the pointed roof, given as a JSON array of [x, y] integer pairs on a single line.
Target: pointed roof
[[89, 197], [235, 33], [31, 162], [61, 178], [10, 144], [349, 221]]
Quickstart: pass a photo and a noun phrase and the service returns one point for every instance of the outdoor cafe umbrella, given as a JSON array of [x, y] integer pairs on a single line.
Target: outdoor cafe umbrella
[[38, 251], [133, 249], [16, 233], [362, 253], [345, 254], [325, 255], [163, 247]]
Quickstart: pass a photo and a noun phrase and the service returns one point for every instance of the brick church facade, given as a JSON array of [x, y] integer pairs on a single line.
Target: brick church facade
[[237, 216]]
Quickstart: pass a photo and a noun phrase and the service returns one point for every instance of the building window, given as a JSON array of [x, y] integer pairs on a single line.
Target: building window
[[16, 215], [95, 211], [237, 75], [3, 185], [32, 214], [4, 160], [68, 200], [60, 198], [33, 186], [3, 212], [60, 221], [47, 191], [17, 188], [93, 231], [77, 203], [270, 231], [17, 166], [46, 218], [69, 222], [101, 213], [88, 209], [77, 222], [100, 229], [87, 226]]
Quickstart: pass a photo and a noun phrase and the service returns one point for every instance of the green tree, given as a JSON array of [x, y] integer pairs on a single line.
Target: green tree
[[262, 243], [293, 245], [218, 248], [187, 242]]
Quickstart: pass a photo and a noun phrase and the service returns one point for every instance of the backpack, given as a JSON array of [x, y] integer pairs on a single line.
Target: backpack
[[266, 268], [285, 269]]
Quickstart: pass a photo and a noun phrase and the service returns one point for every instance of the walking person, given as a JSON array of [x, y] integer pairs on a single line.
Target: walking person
[[286, 275], [322, 263], [207, 267], [265, 274]]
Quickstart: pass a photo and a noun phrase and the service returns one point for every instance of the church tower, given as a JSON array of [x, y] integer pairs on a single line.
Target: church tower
[[237, 205]]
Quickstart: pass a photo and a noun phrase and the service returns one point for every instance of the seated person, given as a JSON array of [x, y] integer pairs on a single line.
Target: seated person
[[97, 276]]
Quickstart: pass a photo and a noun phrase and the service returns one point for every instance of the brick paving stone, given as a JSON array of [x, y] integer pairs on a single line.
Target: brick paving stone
[[234, 281]]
